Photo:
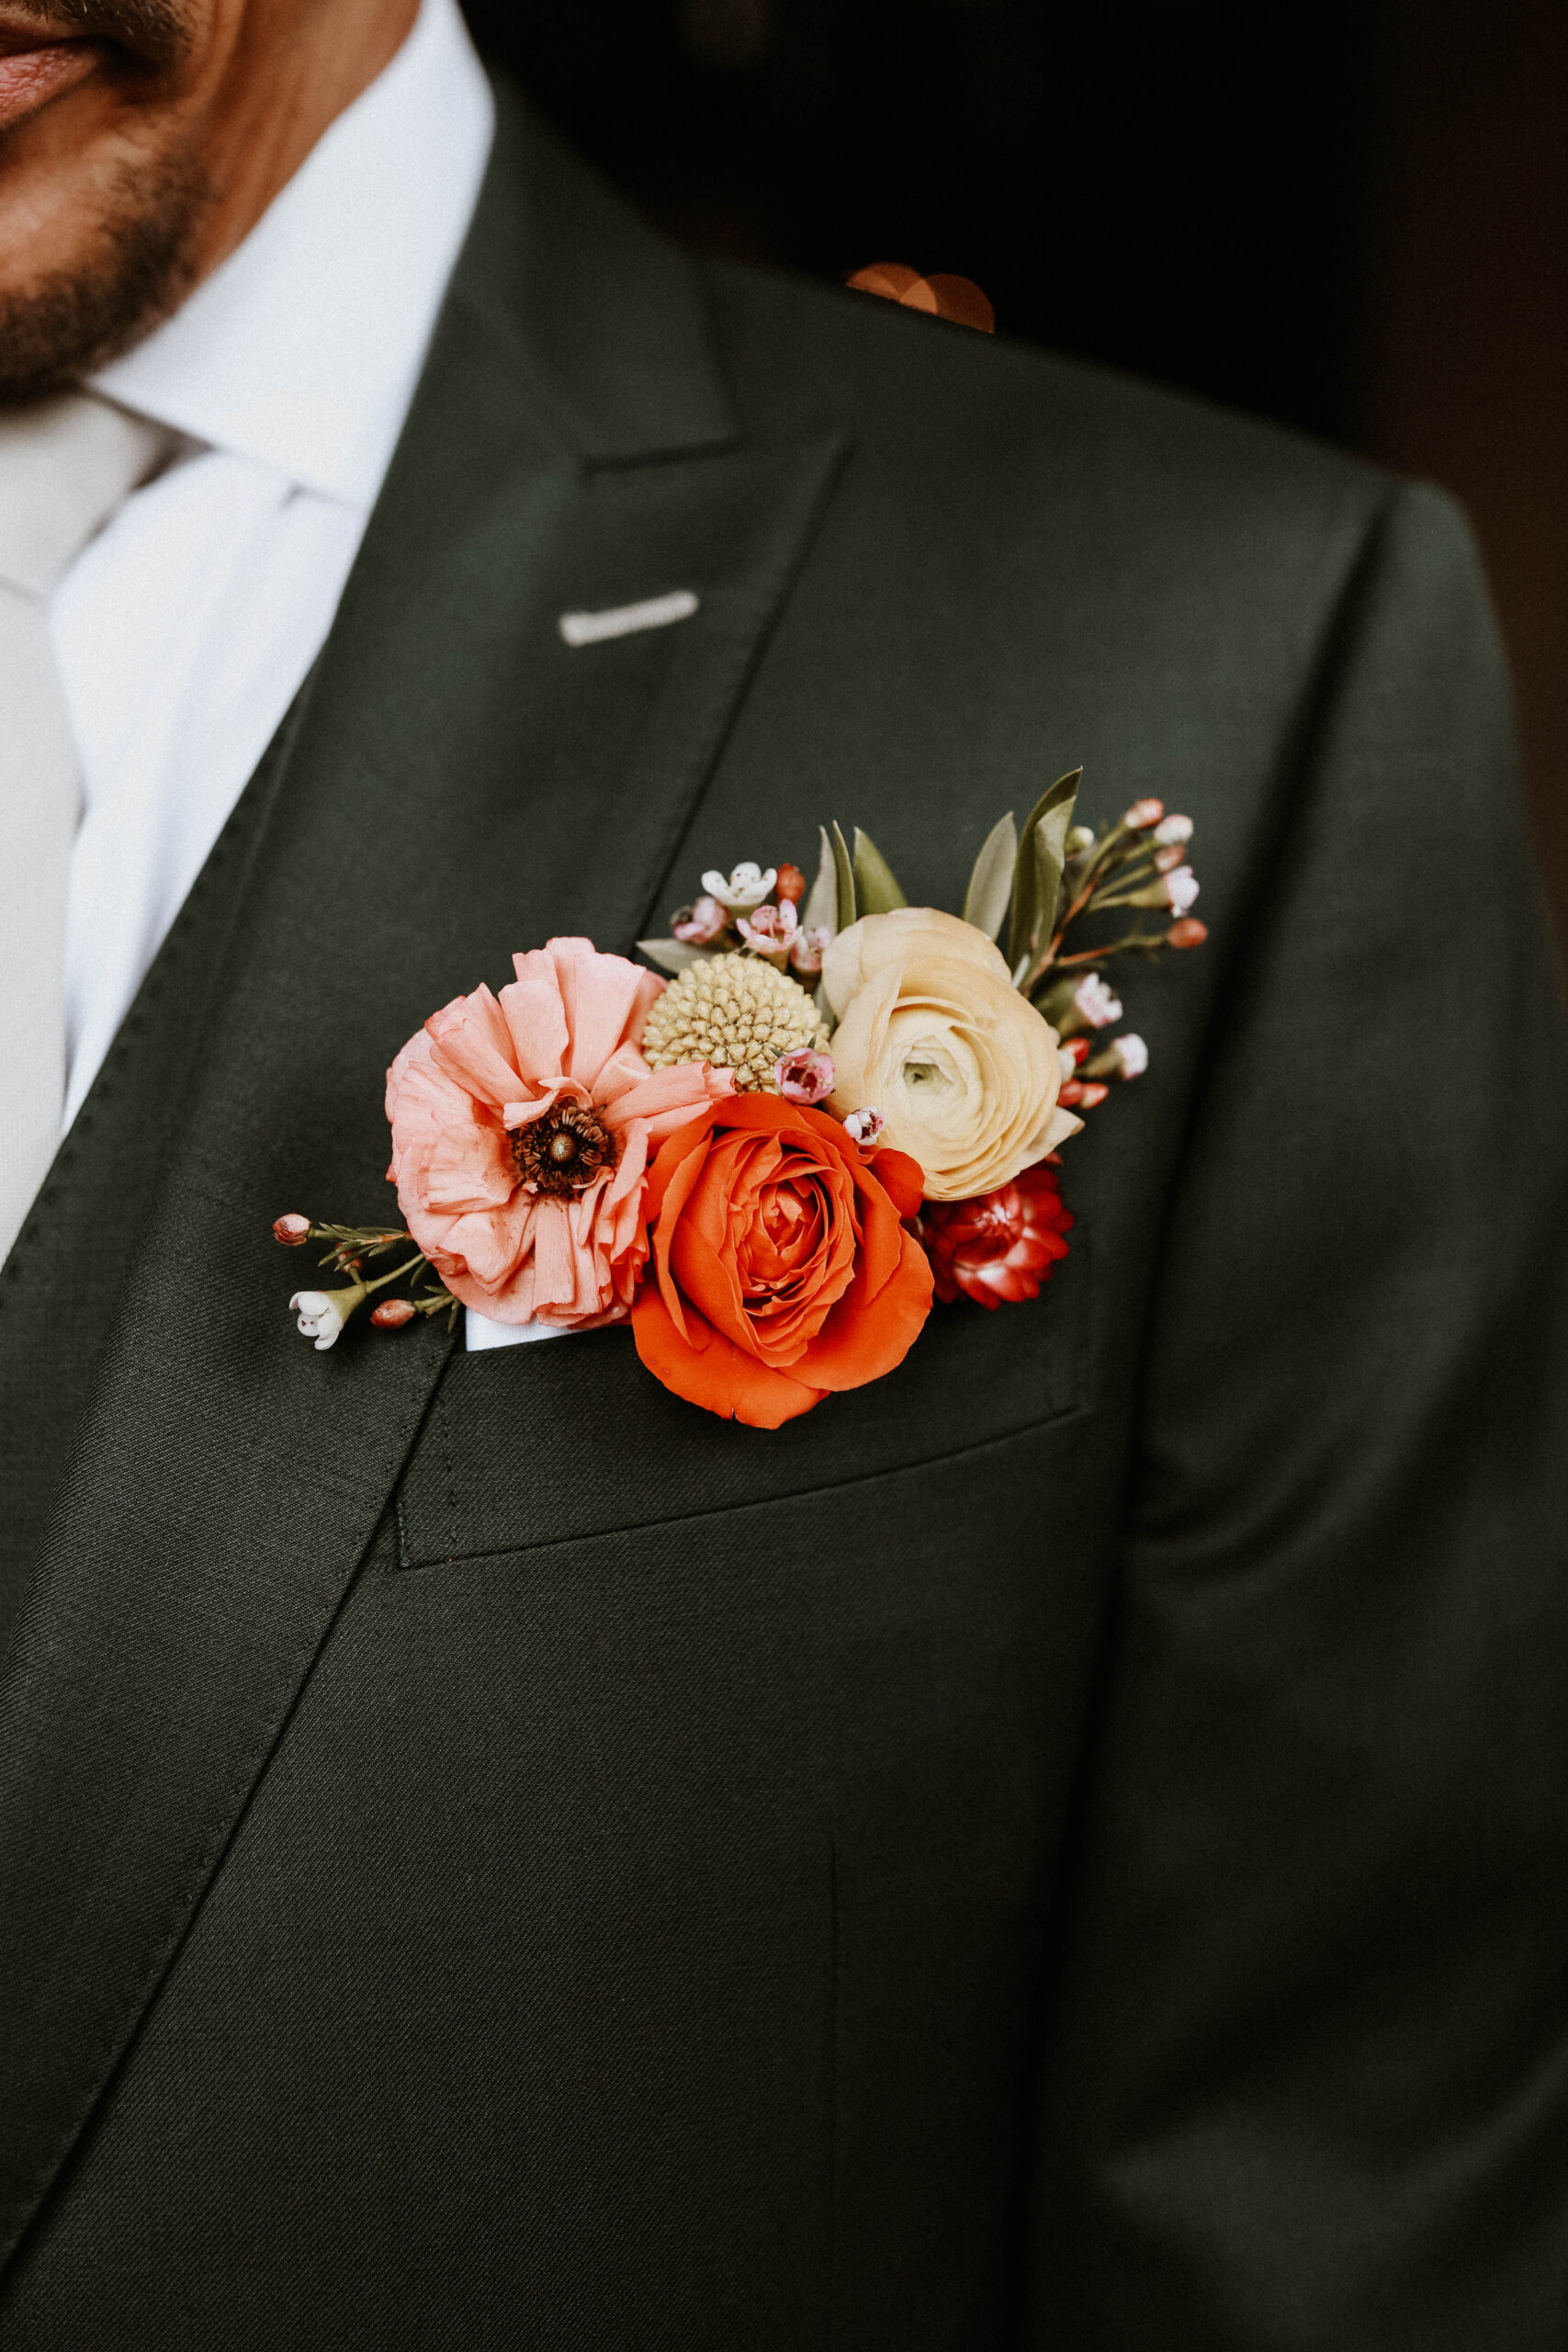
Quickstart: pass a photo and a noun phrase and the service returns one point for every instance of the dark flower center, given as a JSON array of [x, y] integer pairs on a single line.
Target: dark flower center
[[564, 1150]]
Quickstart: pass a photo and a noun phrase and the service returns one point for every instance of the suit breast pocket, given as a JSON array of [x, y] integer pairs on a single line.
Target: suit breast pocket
[[535, 1445]]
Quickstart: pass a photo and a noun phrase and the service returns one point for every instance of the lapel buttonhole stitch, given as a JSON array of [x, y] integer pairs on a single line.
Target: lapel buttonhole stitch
[[624, 620]]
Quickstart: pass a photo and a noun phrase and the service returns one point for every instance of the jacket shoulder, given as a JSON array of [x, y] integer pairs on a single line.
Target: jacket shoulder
[[918, 394]]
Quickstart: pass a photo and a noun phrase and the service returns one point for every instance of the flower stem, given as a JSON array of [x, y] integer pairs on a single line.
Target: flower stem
[[1102, 905], [397, 1273], [1136, 941]]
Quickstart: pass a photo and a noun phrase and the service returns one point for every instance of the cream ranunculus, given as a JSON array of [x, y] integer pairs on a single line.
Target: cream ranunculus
[[870, 945], [932, 1032]]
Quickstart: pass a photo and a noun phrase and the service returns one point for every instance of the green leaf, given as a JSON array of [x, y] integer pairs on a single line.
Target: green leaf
[[990, 885], [875, 888], [845, 873], [820, 911], [1050, 846], [1038, 875], [674, 954]]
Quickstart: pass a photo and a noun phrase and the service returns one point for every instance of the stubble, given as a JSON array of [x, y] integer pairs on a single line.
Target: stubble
[[132, 253]]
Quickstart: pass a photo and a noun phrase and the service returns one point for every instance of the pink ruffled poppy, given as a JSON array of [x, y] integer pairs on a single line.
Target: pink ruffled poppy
[[522, 1129]]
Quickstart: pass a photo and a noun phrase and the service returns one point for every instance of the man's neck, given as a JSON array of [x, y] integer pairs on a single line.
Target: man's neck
[[281, 108]]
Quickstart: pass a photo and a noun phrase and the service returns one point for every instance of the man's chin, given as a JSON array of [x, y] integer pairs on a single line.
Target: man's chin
[[129, 265]]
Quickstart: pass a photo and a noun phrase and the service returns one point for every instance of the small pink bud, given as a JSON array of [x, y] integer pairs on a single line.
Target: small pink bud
[[291, 1230], [1174, 829], [1071, 1094], [1181, 889], [804, 1076], [807, 948], [790, 884], [1079, 1048], [1093, 1095], [1168, 859], [696, 925], [864, 1127], [392, 1314], [1188, 933], [1142, 814], [771, 930]]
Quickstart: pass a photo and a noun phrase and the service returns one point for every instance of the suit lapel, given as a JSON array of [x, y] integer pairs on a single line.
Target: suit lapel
[[460, 784]]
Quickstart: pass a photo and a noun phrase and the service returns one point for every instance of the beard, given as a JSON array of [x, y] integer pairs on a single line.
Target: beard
[[134, 254], [135, 267]]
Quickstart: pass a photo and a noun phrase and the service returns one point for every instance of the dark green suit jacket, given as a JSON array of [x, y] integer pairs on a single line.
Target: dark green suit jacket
[[1063, 1849]]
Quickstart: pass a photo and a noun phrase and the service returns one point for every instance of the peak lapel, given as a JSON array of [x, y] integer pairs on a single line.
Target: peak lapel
[[461, 783]]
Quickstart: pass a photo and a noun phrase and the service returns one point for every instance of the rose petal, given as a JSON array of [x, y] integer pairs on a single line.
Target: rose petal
[[710, 1371], [774, 1236], [855, 1346]]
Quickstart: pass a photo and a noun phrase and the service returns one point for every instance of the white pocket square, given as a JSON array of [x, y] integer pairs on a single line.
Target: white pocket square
[[479, 1332]]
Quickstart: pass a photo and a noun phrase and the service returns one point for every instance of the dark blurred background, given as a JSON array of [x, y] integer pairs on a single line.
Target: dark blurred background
[[1352, 219]]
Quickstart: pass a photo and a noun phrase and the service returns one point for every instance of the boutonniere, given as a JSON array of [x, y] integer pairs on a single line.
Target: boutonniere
[[835, 1107]]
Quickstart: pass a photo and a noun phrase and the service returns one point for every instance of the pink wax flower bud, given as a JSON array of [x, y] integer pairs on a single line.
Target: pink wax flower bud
[[1072, 1094], [1132, 1055], [1181, 889], [864, 1127], [769, 931], [1093, 1095], [1142, 814], [1188, 933], [790, 884], [392, 1314], [807, 948], [805, 1075], [1174, 829], [698, 924], [291, 1230], [1097, 1004], [1168, 859]]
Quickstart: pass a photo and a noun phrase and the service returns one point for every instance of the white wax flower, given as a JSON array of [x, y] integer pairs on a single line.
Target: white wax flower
[[1173, 828], [747, 886], [319, 1317], [1096, 1002], [1181, 889], [1133, 1054]]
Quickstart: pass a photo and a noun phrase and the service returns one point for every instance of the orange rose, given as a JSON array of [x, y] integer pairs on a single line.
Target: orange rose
[[781, 1269]]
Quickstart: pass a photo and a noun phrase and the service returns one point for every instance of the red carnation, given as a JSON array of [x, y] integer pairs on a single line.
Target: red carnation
[[1001, 1246]]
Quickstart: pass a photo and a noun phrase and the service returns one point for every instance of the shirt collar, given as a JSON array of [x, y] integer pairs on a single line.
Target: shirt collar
[[302, 350]]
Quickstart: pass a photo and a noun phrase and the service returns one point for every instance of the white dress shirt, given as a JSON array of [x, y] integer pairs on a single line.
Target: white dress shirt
[[185, 630]]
